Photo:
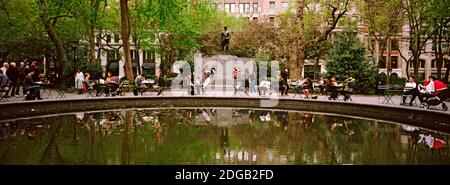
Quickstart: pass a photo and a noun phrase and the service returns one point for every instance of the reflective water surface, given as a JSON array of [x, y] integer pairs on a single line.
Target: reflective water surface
[[216, 136]]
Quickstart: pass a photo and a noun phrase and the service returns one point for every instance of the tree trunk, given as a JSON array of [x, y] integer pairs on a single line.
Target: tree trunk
[[416, 54], [99, 45], [57, 43], [125, 23], [47, 64], [447, 72], [297, 62], [416, 66], [92, 34], [388, 60], [91, 44], [439, 55]]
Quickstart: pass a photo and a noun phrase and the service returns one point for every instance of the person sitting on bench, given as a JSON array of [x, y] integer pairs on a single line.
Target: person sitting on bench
[[32, 87], [140, 86], [264, 86], [411, 88], [159, 82]]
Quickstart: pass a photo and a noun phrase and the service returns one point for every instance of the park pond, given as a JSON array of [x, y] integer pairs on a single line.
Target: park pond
[[216, 136]]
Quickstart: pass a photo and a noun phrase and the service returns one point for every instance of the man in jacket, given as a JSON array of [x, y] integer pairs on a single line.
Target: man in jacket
[[13, 74]]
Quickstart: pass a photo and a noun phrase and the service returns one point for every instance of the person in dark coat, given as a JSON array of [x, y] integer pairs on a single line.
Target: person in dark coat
[[21, 73], [12, 74], [284, 83]]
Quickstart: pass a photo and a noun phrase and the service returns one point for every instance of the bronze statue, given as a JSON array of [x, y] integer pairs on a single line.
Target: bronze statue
[[225, 40]]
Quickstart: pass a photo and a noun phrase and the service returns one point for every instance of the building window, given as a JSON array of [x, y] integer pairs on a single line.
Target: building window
[[112, 54], [444, 45], [434, 64], [272, 6], [371, 44], [133, 54], [421, 64], [108, 38], [382, 63], [216, 6], [255, 8], [148, 56], [272, 19], [244, 8], [446, 63], [284, 6], [116, 38], [394, 62], [227, 8], [230, 7], [394, 44]]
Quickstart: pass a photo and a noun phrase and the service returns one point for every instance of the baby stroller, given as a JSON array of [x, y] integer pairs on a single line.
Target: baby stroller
[[434, 99], [116, 89]]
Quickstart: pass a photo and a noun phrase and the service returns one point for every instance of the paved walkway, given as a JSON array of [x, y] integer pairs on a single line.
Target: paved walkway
[[361, 99]]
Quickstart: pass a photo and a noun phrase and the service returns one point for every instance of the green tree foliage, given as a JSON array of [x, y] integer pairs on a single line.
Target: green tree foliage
[[347, 59]]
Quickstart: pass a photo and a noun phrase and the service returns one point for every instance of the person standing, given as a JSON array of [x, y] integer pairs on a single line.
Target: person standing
[[4, 82], [252, 78], [22, 72], [322, 85], [284, 82], [4, 68], [79, 77], [235, 77], [13, 73], [35, 69]]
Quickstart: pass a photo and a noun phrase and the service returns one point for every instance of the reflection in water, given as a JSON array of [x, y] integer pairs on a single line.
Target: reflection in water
[[190, 136]]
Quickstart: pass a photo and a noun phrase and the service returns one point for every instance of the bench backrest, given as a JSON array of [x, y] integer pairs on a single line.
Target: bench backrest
[[383, 87]]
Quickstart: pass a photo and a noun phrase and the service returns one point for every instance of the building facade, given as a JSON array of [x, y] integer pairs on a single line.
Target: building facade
[[110, 54]]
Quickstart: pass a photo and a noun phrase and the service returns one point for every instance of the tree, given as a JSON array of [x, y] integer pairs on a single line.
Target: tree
[[50, 12], [125, 25], [174, 27], [421, 30], [382, 17], [20, 36], [92, 21], [438, 17], [330, 11], [347, 58]]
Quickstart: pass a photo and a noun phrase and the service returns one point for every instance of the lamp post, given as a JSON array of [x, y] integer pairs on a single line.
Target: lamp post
[[74, 49]]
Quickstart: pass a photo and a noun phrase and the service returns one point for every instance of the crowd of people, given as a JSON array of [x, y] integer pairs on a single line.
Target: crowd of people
[[15, 78]]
